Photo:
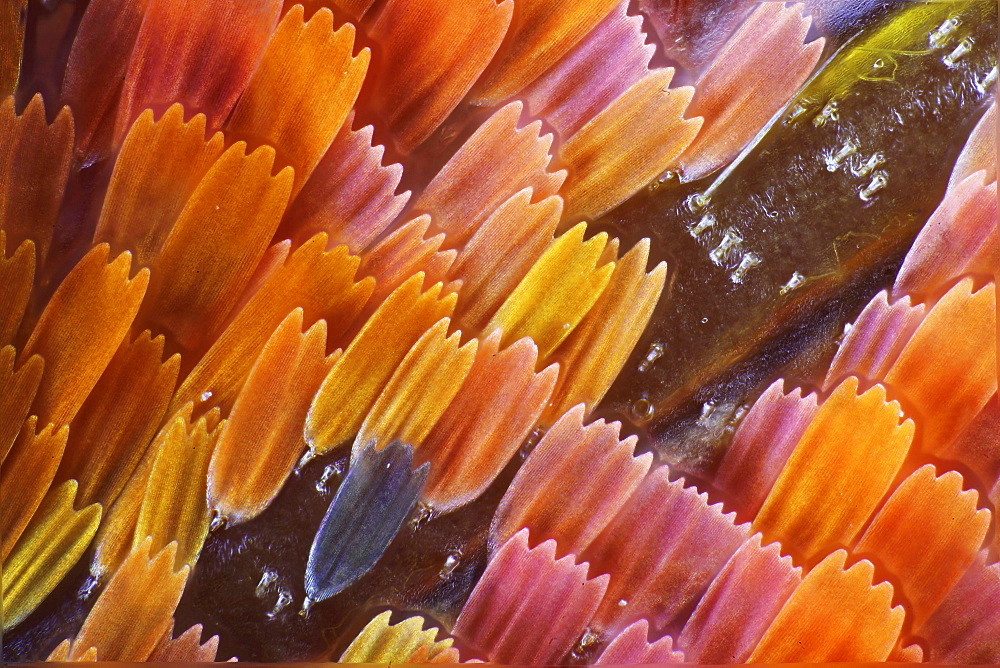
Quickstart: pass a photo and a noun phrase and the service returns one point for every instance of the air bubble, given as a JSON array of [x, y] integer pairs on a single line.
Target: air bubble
[[642, 408]]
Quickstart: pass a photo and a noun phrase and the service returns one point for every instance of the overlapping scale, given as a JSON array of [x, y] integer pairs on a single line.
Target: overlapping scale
[[34, 164], [354, 383], [419, 391], [499, 254], [370, 506], [557, 292], [351, 195], [460, 197], [959, 238], [521, 587], [158, 168], [838, 472], [382, 642], [691, 33], [633, 140], [596, 71], [309, 67], [17, 392], [11, 40], [50, 546], [136, 609], [321, 282], [835, 614], [80, 330], [430, 55], [493, 412], [592, 356], [764, 440], [662, 550], [541, 32], [96, 67], [926, 535], [201, 55], [209, 256], [872, 343], [739, 605], [966, 626], [17, 274], [262, 439], [754, 75], [979, 152], [572, 485], [945, 373], [119, 418], [632, 646], [185, 648]]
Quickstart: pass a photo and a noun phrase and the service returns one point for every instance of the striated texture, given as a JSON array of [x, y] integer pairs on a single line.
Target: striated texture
[[662, 550], [926, 535], [34, 163], [636, 138], [980, 151], [430, 55], [499, 622], [185, 648], [350, 195], [838, 473], [739, 605], [80, 330], [17, 392], [160, 165], [17, 273], [309, 68], [762, 444], [485, 424], [574, 482], [262, 439], [632, 646], [834, 615], [376, 497], [382, 642]]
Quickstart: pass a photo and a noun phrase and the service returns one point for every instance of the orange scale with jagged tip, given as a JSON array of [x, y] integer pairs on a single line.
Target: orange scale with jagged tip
[[175, 505], [136, 608], [262, 439], [572, 485], [185, 648], [838, 473], [926, 535], [420, 390], [310, 68], [80, 329], [199, 54], [597, 350], [946, 374], [210, 254], [429, 57], [557, 292], [354, 383], [402, 254], [980, 151], [541, 32], [17, 275], [17, 392], [28, 471], [499, 160], [493, 412], [321, 282], [978, 448], [109, 435], [835, 614], [11, 39], [350, 195], [635, 139], [50, 546], [382, 642], [34, 164], [756, 72], [500, 253], [96, 67], [156, 172], [959, 239]]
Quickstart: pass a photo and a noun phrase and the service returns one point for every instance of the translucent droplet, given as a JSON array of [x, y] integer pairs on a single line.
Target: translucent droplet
[[827, 114], [748, 262], [697, 229], [878, 182], [267, 580], [655, 352], [284, 600], [874, 161], [451, 562], [205, 396], [834, 161], [987, 81], [940, 35], [330, 471], [794, 282], [731, 239], [951, 60], [642, 408]]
